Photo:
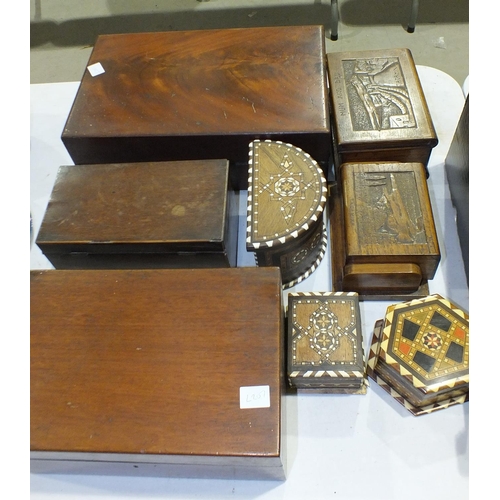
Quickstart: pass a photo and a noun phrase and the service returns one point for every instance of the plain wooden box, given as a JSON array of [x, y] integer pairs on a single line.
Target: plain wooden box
[[379, 111], [141, 215], [202, 94], [139, 372]]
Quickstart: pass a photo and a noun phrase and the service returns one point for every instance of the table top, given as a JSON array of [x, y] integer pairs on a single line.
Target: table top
[[339, 446]]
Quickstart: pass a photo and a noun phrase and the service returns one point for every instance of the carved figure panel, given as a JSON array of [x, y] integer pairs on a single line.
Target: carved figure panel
[[388, 208], [377, 94]]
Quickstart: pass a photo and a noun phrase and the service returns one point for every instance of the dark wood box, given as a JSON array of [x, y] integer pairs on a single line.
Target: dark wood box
[[457, 173], [325, 342], [420, 354], [141, 215], [167, 372], [379, 108], [383, 231], [202, 94], [287, 195]]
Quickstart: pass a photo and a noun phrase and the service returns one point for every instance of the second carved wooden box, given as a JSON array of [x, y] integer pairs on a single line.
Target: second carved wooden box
[[384, 238], [141, 215]]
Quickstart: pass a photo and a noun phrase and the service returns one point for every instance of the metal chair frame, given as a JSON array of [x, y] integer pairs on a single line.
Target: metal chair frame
[[335, 18]]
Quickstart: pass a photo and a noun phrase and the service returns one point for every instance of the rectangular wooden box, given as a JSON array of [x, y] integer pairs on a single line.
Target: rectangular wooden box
[[385, 240], [141, 215], [325, 342], [167, 372], [379, 108], [202, 94]]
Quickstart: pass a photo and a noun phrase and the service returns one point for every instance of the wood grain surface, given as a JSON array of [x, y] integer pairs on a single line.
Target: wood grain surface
[[151, 362], [388, 216], [201, 94], [175, 214]]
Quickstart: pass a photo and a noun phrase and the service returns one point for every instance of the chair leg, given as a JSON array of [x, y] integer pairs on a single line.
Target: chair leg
[[413, 16], [335, 20]]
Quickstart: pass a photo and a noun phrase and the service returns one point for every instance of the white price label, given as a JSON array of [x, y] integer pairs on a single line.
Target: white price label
[[96, 69], [255, 396]]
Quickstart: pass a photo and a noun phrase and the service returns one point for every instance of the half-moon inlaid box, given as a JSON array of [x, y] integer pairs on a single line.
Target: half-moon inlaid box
[[379, 108], [383, 230], [420, 354], [287, 195], [199, 94], [180, 214], [325, 342]]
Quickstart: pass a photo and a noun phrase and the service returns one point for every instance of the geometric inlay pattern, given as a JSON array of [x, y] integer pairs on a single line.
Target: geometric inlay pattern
[[440, 322], [324, 335], [428, 341], [455, 352], [426, 362], [376, 352], [432, 340], [286, 193], [410, 330]]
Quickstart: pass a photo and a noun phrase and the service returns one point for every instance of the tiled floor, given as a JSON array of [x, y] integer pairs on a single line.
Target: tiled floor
[[63, 33]]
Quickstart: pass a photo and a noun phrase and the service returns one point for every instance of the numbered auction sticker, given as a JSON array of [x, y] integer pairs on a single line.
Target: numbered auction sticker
[[255, 396]]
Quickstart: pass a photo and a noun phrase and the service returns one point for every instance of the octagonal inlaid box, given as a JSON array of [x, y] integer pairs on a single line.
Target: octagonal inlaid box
[[325, 342], [420, 354]]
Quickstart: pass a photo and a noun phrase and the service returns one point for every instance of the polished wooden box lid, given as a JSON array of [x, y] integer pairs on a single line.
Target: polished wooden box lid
[[180, 369], [285, 208], [420, 354], [201, 94], [156, 214], [378, 105], [325, 342]]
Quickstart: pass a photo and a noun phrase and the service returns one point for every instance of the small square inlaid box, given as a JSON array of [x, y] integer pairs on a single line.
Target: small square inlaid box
[[419, 354], [325, 342]]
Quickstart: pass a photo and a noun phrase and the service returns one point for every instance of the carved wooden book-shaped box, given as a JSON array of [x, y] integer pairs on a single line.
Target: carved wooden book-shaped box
[[167, 372], [383, 228], [141, 215], [286, 200], [379, 109], [325, 343], [420, 354], [184, 95]]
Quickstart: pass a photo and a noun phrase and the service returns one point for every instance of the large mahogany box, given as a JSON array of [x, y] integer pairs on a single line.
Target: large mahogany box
[[141, 215], [201, 94], [384, 239], [379, 108], [420, 354], [287, 195], [166, 372]]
